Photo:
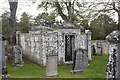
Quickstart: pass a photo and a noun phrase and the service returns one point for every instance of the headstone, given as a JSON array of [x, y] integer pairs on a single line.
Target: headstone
[[52, 64], [93, 51], [3, 68], [113, 66], [18, 62], [80, 62], [18, 51]]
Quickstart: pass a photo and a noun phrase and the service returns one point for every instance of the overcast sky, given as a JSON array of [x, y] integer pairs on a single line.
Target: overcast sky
[[28, 7]]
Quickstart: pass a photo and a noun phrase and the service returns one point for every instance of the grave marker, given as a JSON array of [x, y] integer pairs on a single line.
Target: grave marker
[[80, 62], [18, 51], [52, 64], [18, 62]]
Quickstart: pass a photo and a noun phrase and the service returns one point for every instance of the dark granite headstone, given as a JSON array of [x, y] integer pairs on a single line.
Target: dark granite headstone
[[80, 62], [93, 51]]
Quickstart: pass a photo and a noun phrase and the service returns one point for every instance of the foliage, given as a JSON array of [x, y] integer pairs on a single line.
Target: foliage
[[73, 11], [102, 26], [5, 25], [45, 19], [24, 23], [97, 69]]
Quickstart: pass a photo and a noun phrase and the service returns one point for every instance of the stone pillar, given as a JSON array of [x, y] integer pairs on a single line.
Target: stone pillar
[[3, 59], [113, 66], [80, 62], [88, 43], [52, 64]]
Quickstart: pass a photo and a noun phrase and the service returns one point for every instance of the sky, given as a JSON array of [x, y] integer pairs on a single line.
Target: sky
[[29, 8]]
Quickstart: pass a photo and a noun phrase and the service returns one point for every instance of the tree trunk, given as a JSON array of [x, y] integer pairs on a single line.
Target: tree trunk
[[13, 8]]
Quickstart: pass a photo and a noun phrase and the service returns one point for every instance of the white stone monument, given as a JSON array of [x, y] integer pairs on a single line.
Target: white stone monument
[[52, 64]]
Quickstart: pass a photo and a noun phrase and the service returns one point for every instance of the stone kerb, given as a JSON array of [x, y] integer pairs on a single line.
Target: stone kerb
[[113, 66]]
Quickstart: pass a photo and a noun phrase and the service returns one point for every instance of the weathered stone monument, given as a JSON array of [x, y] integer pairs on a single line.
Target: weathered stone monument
[[52, 64], [18, 62], [113, 66], [18, 51], [80, 61], [88, 43], [3, 59]]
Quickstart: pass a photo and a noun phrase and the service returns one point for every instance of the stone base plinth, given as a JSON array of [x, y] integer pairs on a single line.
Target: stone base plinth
[[18, 65], [76, 72], [51, 76], [5, 76]]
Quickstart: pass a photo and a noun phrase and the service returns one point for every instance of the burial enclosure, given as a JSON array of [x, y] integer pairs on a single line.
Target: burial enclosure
[[62, 39]]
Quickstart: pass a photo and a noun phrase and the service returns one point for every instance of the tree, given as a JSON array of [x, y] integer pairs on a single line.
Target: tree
[[24, 23], [117, 9], [110, 7], [12, 19], [44, 19], [5, 25], [102, 26], [73, 11]]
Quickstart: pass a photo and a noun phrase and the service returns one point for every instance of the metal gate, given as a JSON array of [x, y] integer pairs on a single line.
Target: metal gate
[[69, 47]]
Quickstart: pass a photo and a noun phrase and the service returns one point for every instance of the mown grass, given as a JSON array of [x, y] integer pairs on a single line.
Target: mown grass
[[96, 69], [95, 41]]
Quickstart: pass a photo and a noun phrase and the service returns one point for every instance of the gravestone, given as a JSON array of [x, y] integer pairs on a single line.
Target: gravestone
[[113, 66], [18, 62], [93, 51], [18, 51], [52, 64], [80, 61], [3, 59]]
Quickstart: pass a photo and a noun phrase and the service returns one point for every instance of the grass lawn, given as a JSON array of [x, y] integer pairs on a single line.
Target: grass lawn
[[97, 69]]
